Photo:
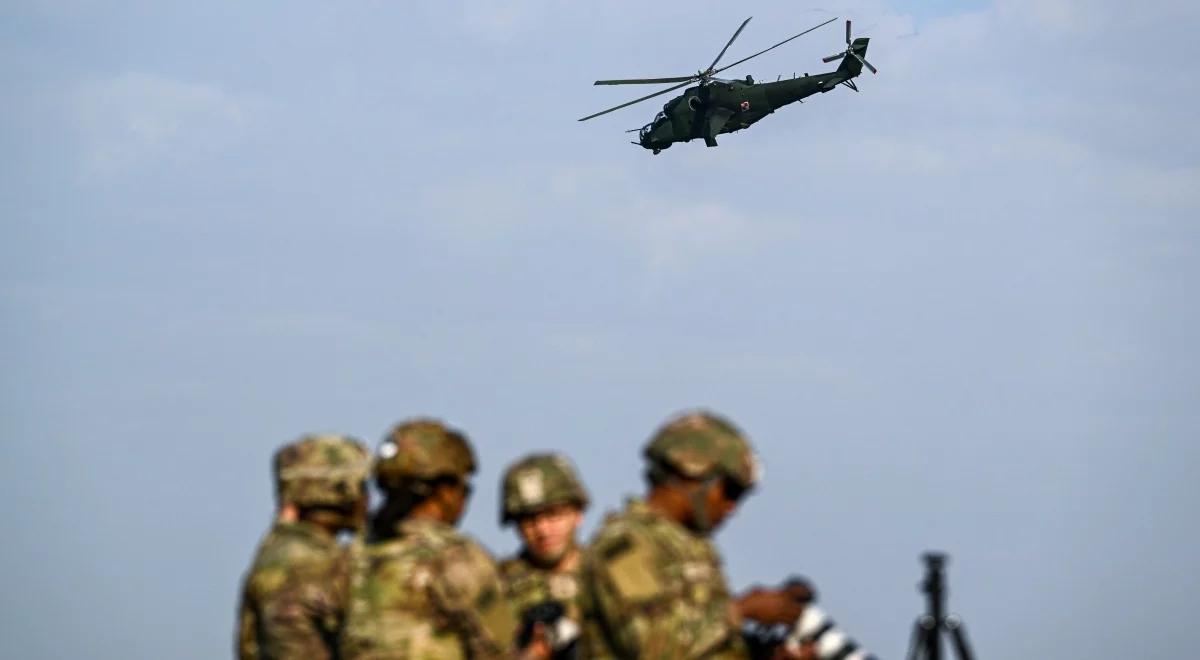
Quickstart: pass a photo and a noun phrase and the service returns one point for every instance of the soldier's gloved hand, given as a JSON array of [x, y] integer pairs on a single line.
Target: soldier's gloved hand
[[539, 644], [771, 606], [793, 651], [801, 588]]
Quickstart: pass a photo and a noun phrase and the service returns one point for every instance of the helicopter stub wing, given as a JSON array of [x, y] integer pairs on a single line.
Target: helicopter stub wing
[[717, 118]]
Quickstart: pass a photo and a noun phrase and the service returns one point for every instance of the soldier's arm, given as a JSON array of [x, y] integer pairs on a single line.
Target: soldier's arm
[[642, 612], [326, 595], [472, 595], [247, 630]]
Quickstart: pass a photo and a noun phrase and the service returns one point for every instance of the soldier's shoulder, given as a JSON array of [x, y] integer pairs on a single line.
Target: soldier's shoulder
[[626, 552], [291, 544], [453, 541], [445, 543], [513, 567], [466, 572], [463, 549], [621, 539], [430, 532], [618, 533], [284, 558]]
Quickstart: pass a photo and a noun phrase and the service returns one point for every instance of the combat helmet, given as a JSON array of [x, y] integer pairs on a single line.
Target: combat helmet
[[322, 470], [702, 444], [420, 451], [537, 482]]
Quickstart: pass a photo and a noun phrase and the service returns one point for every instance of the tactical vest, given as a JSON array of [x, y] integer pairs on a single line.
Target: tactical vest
[[430, 592]]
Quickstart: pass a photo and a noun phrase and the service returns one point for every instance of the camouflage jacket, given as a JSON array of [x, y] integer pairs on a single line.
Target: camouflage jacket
[[654, 589], [527, 585], [293, 596], [428, 592]]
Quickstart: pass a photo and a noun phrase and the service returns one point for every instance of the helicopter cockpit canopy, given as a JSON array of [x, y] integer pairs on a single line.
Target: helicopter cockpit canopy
[[644, 133], [659, 120]]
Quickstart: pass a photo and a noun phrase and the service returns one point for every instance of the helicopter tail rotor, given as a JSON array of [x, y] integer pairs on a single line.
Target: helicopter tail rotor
[[853, 57]]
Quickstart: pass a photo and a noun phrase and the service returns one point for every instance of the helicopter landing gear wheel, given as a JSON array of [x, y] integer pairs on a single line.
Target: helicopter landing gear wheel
[[656, 151]]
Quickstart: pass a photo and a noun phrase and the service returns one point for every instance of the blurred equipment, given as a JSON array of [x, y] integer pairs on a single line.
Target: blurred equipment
[[813, 627], [926, 641], [561, 633]]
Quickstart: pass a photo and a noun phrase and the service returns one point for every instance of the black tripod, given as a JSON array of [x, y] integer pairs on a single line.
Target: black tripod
[[926, 641]]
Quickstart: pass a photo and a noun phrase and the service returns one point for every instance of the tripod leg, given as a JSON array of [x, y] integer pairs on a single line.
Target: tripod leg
[[958, 633], [918, 644], [933, 641]]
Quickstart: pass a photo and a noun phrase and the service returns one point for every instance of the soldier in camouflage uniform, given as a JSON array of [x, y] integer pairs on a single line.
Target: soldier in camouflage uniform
[[654, 584], [293, 597], [545, 498], [420, 588]]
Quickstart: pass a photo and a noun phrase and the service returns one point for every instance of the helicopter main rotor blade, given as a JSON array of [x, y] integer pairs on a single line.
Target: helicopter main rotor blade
[[728, 44], [648, 96], [728, 66], [644, 81], [864, 62]]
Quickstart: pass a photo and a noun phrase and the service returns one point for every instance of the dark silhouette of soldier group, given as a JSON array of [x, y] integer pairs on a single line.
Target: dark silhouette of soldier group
[[410, 584]]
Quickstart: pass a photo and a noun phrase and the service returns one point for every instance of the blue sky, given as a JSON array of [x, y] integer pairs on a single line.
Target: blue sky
[[955, 310]]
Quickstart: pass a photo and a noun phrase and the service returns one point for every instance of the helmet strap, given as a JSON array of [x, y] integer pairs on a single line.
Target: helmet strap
[[701, 516], [397, 504], [696, 493]]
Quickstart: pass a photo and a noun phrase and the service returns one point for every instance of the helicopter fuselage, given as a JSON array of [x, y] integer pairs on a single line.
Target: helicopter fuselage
[[727, 106]]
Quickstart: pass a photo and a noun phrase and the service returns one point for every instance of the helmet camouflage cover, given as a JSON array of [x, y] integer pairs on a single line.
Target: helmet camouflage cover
[[422, 450], [322, 470], [701, 444], [539, 481]]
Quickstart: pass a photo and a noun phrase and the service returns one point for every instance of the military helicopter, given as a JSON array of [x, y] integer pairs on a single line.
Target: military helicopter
[[716, 105]]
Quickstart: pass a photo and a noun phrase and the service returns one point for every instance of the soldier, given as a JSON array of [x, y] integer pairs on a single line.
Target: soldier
[[293, 597], [654, 584], [546, 500], [420, 588]]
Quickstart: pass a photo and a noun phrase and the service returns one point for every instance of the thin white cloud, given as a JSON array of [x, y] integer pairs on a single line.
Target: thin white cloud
[[501, 21], [135, 120], [1108, 17], [671, 238], [675, 237]]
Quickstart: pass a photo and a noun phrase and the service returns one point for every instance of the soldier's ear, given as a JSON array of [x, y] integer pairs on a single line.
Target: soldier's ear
[[577, 515]]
